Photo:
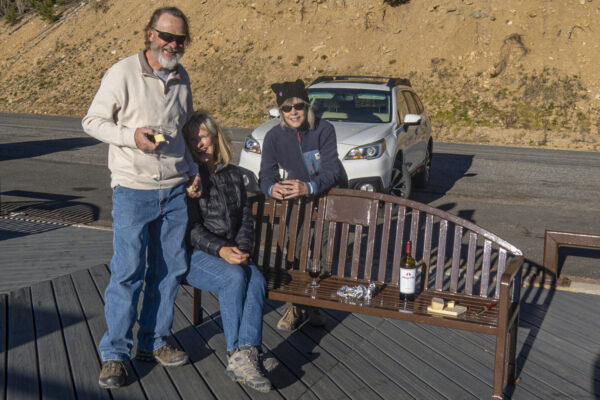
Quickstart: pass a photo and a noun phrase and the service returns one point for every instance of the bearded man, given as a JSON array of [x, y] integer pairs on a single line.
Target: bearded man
[[140, 109]]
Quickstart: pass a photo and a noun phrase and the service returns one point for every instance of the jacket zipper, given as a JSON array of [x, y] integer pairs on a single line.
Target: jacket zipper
[[223, 201]]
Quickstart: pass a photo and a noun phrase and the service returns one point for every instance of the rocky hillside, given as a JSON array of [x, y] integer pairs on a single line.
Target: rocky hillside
[[510, 72]]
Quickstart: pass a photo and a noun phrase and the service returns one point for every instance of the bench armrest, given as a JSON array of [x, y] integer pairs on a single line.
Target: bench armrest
[[513, 268], [508, 277]]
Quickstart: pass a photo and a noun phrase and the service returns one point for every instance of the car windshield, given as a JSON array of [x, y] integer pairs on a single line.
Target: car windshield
[[351, 105]]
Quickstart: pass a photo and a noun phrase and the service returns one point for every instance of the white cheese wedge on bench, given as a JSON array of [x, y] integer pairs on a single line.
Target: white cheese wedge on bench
[[452, 311], [437, 303]]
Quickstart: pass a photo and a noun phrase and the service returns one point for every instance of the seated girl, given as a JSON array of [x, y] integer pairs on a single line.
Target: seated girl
[[220, 235]]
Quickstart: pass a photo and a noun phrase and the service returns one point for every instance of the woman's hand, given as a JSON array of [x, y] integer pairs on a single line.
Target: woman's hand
[[193, 187], [292, 189], [279, 191], [233, 255]]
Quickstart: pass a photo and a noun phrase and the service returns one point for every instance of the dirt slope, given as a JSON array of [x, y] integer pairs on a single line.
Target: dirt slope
[[509, 72]]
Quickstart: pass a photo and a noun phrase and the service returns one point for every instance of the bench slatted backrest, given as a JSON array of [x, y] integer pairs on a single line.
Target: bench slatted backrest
[[279, 228], [366, 232]]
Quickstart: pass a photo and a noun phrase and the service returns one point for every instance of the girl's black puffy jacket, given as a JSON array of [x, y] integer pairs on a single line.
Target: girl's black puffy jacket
[[222, 216]]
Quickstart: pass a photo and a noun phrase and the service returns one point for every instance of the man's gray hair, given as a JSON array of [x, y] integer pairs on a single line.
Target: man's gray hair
[[310, 116]]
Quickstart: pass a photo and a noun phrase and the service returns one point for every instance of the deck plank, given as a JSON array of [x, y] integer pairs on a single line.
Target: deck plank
[[85, 365], [547, 382], [3, 336], [480, 357], [427, 359], [354, 361], [189, 379], [49, 332], [278, 346], [55, 375], [93, 307], [342, 364], [212, 365], [22, 374], [552, 366], [301, 366], [349, 330], [152, 377]]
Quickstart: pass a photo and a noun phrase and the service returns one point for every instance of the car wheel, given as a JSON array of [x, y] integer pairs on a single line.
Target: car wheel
[[400, 184], [424, 175]]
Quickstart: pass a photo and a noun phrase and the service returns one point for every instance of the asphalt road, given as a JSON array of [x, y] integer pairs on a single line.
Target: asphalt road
[[514, 192]]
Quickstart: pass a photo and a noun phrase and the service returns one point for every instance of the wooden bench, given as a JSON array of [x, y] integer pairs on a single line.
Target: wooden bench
[[365, 236], [553, 239]]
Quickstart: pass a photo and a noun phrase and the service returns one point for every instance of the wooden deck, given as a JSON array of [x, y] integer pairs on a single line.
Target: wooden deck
[[49, 333]]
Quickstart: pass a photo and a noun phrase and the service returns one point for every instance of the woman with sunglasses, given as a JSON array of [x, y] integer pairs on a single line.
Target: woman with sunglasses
[[306, 148], [221, 234]]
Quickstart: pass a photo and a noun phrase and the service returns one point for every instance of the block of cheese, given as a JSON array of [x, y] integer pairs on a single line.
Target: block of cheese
[[437, 303], [159, 137], [454, 311], [450, 304]]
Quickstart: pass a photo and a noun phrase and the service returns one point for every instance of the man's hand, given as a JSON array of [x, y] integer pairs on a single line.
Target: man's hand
[[233, 255], [142, 140], [193, 187], [292, 189]]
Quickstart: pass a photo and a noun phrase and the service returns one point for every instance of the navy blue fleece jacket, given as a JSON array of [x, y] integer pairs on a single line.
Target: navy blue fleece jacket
[[308, 155]]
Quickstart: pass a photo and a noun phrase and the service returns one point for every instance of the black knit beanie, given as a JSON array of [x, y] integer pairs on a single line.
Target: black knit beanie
[[287, 90]]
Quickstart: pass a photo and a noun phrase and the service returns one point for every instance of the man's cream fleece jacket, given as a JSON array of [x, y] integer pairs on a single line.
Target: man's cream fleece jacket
[[130, 97]]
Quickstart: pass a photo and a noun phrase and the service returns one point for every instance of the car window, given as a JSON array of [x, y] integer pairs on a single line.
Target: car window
[[412, 107], [402, 107], [417, 100], [351, 105]]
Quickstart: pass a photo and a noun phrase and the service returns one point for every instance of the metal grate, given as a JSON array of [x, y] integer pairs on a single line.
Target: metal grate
[[58, 213]]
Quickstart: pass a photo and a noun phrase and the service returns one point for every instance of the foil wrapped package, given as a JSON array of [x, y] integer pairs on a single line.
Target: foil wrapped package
[[360, 292]]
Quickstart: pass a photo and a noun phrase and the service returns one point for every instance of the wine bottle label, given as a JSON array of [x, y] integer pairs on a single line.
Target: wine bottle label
[[408, 278]]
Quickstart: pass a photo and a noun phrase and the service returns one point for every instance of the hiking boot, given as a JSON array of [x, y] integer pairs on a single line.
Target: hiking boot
[[113, 374], [269, 363], [316, 317], [167, 356], [292, 318], [243, 367]]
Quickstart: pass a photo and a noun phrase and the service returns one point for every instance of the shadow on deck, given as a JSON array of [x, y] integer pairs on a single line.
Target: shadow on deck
[[49, 333]]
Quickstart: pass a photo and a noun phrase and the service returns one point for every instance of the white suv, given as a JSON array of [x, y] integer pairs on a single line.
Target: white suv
[[383, 133]]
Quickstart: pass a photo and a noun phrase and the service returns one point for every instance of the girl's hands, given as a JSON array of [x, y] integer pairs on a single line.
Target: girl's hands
[[233, 255], [194, 187]]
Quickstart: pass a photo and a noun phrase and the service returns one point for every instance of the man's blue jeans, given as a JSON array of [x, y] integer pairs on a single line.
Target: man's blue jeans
[[148, 223], [241, 292]]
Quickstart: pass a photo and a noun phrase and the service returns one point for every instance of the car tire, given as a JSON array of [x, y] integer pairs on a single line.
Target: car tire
[[401, 182], [421, 179]]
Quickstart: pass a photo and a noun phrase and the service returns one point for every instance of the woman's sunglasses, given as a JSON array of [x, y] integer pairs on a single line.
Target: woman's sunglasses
[[171, 37], [297, 106]]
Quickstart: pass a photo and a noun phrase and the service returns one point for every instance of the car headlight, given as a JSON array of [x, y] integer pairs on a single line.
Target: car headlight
[[251, 145], [367, 152]]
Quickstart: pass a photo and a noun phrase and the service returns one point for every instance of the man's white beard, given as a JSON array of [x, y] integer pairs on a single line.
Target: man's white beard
[[166, 63]]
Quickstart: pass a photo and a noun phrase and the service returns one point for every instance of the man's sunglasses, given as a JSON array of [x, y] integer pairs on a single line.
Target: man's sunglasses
[[297, 106], [171, 37]]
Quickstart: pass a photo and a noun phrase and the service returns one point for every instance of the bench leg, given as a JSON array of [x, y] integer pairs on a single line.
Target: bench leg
[[497, 391], [511, 361], [197, 310]]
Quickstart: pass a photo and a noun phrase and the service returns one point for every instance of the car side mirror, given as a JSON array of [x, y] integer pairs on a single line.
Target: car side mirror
[[274, 112], [412, 119]]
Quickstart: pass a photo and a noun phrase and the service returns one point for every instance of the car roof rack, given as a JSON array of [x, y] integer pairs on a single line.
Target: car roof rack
[[389, 81]]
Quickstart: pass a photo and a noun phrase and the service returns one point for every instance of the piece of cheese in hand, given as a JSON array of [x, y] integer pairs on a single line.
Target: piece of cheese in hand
[[159, 137], [191, 189], [437, 303]]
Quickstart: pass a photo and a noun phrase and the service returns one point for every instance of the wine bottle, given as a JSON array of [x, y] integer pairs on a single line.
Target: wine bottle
[[408, 275]]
